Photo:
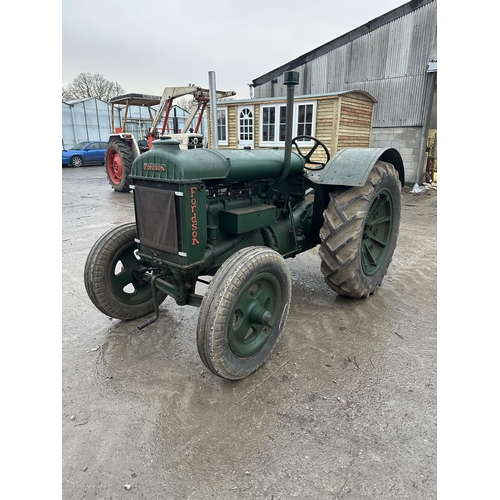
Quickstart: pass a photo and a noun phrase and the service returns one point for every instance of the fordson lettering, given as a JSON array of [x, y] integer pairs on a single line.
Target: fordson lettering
[[147, 166], [194, 219]]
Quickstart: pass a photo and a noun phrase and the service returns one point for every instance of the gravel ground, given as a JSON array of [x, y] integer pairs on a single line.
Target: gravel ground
[[344, 408]]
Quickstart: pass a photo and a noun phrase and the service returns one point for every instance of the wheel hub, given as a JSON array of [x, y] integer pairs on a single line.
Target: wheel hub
[[253, 316], [377, 232], [115, 167], [124, 272]]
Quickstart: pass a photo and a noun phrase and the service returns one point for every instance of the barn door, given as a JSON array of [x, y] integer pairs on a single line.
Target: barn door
[[245, 127]]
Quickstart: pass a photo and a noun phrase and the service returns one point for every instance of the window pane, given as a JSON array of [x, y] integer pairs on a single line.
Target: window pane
[[282, 133], [267, 124], [309, 113], [221, 124], [301, 113], [305, 119], [282, 123], [221, 131], [282, 114], [273, 125]]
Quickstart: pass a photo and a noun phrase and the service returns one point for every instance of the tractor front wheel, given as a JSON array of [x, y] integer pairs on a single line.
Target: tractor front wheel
[[360, 231], [111, 279], [119, 159], [243, 312]]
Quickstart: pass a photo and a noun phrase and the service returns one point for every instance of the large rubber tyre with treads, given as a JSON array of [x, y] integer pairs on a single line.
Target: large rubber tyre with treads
[[244, 312], [119, 159], [110, 279], [360, 231]]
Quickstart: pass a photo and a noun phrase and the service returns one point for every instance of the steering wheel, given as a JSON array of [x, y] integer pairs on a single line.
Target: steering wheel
[[307, 157]]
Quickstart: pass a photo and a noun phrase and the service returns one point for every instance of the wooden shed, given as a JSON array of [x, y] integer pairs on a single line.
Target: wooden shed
[[339, 120]]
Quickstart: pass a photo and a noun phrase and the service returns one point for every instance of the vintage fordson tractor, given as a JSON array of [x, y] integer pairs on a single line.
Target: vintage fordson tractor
[[235, 216]]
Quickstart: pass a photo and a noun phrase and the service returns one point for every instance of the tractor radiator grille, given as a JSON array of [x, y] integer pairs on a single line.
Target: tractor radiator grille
[[156, 216]]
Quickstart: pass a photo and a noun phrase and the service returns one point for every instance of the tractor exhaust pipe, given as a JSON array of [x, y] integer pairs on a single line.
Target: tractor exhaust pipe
[[213, 109], [290, 79]]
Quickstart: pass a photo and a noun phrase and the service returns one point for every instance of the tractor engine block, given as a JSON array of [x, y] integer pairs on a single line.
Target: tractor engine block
[[194, 208]]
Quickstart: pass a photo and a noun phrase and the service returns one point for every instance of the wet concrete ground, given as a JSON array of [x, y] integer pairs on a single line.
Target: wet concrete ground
[[345, 408]]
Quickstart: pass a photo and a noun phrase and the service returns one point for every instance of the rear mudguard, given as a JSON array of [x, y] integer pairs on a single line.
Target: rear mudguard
[[130, 139], [351, 166], [348, 168]]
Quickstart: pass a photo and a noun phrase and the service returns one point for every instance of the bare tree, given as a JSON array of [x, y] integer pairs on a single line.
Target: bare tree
[[186, 102], [89, 85]]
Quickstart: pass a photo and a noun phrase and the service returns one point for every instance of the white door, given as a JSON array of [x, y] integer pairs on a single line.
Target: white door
[[245, 127]]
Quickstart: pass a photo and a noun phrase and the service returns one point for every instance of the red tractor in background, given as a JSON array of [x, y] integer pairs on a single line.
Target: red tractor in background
[[123, 148]]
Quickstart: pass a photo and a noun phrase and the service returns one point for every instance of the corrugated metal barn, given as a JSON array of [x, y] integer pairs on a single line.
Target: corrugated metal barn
[[392, 57]]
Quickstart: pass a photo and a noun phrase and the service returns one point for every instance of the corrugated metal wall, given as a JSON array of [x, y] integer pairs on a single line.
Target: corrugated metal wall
[[390, 62]]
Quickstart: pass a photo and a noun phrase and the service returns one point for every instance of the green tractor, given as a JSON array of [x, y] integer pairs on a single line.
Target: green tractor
[[234, 216]]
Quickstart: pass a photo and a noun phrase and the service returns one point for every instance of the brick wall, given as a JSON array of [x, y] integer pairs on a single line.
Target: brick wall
[[406, 140]]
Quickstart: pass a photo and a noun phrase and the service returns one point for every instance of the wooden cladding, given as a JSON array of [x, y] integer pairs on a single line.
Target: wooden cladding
[[343, 120], [355, 123]]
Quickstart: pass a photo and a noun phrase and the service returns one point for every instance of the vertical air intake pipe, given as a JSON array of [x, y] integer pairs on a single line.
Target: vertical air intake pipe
[[290, 79]]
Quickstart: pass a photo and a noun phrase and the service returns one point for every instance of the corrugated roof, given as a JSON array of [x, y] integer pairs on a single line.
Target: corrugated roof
[[253, 100], [72, 102]]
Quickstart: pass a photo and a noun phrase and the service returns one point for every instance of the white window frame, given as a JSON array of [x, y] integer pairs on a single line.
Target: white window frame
[[224, 111], [276, 107], [276, 124]]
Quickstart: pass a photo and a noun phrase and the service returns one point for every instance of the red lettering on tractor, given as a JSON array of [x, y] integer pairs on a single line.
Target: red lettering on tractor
[[160, 168], [194, 219]]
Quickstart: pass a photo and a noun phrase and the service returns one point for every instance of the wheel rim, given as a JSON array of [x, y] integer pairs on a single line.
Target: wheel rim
[[377, 232], [76, 161], [253, 316], [115, 167], [126, 287]]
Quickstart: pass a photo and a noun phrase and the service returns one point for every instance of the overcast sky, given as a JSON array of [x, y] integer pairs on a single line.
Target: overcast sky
[[146, 46]]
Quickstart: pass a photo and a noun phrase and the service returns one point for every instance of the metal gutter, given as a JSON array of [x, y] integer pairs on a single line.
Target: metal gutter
[[254, 100]]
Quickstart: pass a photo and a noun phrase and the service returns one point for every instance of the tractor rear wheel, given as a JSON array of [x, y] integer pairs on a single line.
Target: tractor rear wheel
[[110, 276], [119, 159], [243, 312], [360, 232]]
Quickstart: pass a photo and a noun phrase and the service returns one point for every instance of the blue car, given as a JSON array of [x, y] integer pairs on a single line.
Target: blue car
[[84, 153]]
